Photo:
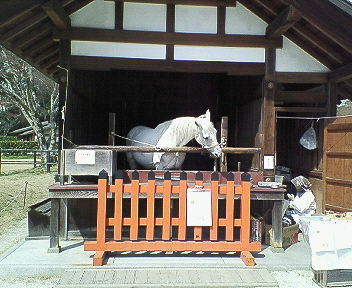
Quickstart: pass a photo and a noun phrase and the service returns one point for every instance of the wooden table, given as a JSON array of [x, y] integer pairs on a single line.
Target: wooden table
[[58, 192]]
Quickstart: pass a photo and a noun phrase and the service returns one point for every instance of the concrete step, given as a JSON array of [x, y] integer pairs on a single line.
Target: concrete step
[[167, 277]]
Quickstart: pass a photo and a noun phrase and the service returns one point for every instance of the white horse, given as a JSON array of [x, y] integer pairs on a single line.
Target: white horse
[[172, 133]]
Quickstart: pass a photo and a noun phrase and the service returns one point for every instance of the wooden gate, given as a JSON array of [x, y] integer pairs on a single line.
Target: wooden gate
[[338, 165], [142, 234]]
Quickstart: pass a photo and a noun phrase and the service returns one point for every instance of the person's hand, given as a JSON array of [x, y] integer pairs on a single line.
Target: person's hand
[[291, 196]]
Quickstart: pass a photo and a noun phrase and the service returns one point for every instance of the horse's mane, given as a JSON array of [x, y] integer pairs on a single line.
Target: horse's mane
[[182, 128]]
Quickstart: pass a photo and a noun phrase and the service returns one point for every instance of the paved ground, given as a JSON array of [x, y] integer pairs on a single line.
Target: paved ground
[[29, 265]]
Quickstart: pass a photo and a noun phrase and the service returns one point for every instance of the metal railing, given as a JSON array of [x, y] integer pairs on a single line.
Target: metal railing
[[50, 156]]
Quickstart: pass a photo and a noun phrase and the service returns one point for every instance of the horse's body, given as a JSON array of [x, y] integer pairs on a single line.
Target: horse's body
[[173, 133]]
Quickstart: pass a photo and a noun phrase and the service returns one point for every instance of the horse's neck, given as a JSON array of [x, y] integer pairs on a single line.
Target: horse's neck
[[180, 132]]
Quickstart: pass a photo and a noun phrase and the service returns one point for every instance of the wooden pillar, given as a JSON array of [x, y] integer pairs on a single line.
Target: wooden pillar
[[112, 129], [224, 137], [119, 15], [332, 99], [268, 115], [170, 27], [64, 62], [54, 226]]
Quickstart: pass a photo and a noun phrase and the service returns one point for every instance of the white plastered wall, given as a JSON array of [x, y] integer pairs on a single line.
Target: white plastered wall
[[188, 19], [291, 58], [97, 14]]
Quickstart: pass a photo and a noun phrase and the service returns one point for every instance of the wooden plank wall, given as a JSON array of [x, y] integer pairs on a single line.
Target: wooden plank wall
[[338, 165], [149, 98]]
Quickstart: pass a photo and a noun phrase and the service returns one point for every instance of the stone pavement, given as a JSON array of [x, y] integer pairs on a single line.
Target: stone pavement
[[30, 259]]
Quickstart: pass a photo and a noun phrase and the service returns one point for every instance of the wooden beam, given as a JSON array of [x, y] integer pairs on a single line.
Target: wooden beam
[[341, 74], [221, 15], [27, 38], [348, 83], [50, 62], [26, 24], [119, 15], [46, 54], [108, 63], [305, 33], [185, 2], [293, 37], [284, 21], [170, 27], [345, 94], [328, 19], [301, 109], [12, 10], [301, 97], [57, 14], [201, 39], [332, 99], [302, 77], [37, 47]]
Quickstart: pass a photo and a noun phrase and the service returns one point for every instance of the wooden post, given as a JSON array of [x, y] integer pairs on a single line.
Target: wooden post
[[54, 226], [112, 128], [170, 27], [0, 160], [268, 115], [47, 161], [64, 61], [35, 159], [224, 137]]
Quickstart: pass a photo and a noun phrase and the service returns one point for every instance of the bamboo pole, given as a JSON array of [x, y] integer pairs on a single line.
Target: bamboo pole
[[227, 150]]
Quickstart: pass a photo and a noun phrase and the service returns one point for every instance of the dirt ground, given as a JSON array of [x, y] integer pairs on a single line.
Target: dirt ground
[[20, 190]]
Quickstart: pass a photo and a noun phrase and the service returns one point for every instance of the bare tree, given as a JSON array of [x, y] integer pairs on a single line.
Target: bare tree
[[35, 95]]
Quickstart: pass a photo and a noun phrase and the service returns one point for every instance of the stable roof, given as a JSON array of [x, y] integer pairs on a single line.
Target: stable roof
[[320, 27]]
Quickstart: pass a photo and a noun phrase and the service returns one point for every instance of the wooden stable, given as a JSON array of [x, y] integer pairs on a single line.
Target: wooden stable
[[169, 191], [153, 60]]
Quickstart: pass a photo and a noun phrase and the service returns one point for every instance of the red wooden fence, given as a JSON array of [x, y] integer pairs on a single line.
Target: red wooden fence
[[142, 230]]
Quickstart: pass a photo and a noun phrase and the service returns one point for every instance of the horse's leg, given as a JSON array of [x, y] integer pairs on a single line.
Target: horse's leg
[[131, 162]]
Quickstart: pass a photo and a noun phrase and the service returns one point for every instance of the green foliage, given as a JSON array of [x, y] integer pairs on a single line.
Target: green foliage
[[17, 145], [8, 138]]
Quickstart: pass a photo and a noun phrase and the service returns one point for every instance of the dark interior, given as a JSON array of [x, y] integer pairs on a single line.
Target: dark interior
[[149, 98]]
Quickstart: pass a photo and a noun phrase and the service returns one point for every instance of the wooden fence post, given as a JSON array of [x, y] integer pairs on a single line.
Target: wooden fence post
[[0, 160], [35, 159], [47, 161]]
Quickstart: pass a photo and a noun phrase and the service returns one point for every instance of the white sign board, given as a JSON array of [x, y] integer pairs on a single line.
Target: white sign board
[[199, 207], [269, 162], [85, 157]]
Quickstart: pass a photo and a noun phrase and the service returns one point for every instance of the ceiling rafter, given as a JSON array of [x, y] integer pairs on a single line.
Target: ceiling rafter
[[284, 21], [27, 23], [343, 92], [38, 46], [11, 12], [303, 32], [320, 14], [264, 15], [27, 38], [46, 54], [57, 14], [341, 74], [50, 61]]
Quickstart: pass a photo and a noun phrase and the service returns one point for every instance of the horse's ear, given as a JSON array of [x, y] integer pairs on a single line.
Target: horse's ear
[[207, 114]]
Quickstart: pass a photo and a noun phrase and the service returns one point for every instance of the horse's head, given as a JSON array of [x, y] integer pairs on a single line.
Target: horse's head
[[206, 135]]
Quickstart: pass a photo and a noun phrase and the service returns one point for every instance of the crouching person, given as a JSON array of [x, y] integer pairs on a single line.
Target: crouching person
[[303, 204]]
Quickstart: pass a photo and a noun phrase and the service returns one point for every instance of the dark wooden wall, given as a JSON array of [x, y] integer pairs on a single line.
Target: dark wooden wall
[[149, 98]]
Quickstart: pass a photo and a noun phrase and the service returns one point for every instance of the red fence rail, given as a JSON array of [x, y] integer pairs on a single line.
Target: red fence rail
[[142, 234]]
